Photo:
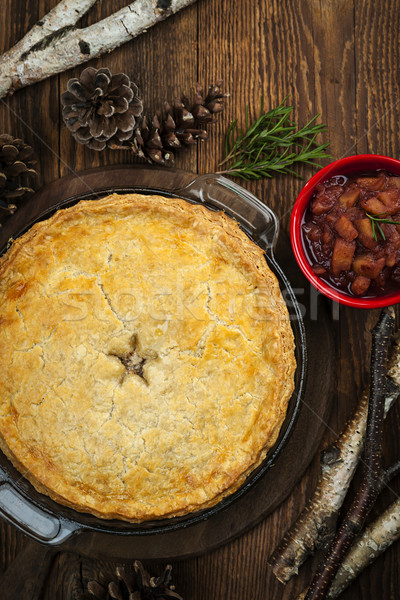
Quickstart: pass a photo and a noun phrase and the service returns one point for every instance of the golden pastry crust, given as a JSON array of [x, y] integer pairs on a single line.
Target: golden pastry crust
[[146, 354]]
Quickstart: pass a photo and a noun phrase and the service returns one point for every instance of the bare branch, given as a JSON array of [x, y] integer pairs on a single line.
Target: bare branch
[[338, 464], [316, 522], [66, 47], [391, 472], [381, 534], [372, 462], [63, 16]]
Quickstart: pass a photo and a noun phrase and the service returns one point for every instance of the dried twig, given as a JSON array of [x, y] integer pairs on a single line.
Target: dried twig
[[372, 462], [37, 57], [376, 538], [316, 523]]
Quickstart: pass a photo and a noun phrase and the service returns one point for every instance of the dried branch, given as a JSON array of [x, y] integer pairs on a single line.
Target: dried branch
[[391, 472], [66, 46], [316, 523], [372, 462], [376, 538], [63, 16]]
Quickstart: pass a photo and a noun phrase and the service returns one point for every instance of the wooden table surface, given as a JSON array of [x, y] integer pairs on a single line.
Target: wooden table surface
[[339, 58]]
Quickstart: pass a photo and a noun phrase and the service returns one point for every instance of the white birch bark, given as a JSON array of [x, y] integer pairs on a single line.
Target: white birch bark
[[381, 534], [65, 14], [376, 538], [75, 46], [337, 470]]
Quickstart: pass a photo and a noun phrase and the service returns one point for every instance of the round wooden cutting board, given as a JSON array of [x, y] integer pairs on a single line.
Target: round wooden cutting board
[[279, 480]]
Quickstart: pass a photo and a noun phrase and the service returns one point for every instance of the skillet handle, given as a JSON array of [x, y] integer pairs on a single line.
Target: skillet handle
[[31, 519], [257, 219]]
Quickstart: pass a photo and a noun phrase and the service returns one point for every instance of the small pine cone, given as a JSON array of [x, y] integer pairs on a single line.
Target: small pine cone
[[18, 175], [100, 107], [180, 124], [132, 584], [151, 588]]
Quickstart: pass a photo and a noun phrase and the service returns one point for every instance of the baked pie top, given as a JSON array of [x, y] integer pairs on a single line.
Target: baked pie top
[[146, 355]]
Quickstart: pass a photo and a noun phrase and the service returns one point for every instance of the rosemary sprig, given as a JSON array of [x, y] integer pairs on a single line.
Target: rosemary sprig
[[271, 145], [375, 220]]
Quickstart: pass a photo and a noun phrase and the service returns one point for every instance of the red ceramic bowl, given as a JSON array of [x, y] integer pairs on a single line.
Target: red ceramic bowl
[[350, 165]]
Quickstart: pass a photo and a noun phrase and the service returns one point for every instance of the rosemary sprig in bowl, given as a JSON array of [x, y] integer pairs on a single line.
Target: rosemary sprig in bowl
[[271, 145], [375, 224]]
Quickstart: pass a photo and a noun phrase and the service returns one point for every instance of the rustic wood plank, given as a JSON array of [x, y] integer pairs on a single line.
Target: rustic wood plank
[[12, 542], [27, 575], [33, 112], [262, 49], [64, 580], [377, 56], [377, 113]]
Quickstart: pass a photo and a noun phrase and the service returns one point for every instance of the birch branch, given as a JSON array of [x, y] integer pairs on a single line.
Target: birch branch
[[339, 461], [376, 538], [64, 15], [67, 47], [370, 485]]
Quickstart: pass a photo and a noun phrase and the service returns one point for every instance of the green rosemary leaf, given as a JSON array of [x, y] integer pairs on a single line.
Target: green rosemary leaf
[[388, 221], [375, 220], [373, 231], [381, 232], [273, 144]]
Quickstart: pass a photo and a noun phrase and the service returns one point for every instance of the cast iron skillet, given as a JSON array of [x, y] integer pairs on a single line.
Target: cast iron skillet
[[63, 528]]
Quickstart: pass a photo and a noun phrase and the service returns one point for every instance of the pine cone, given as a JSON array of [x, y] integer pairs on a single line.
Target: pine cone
[[177, 126], [18, 177], [100, 106], [151, 588], [133, 585]]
